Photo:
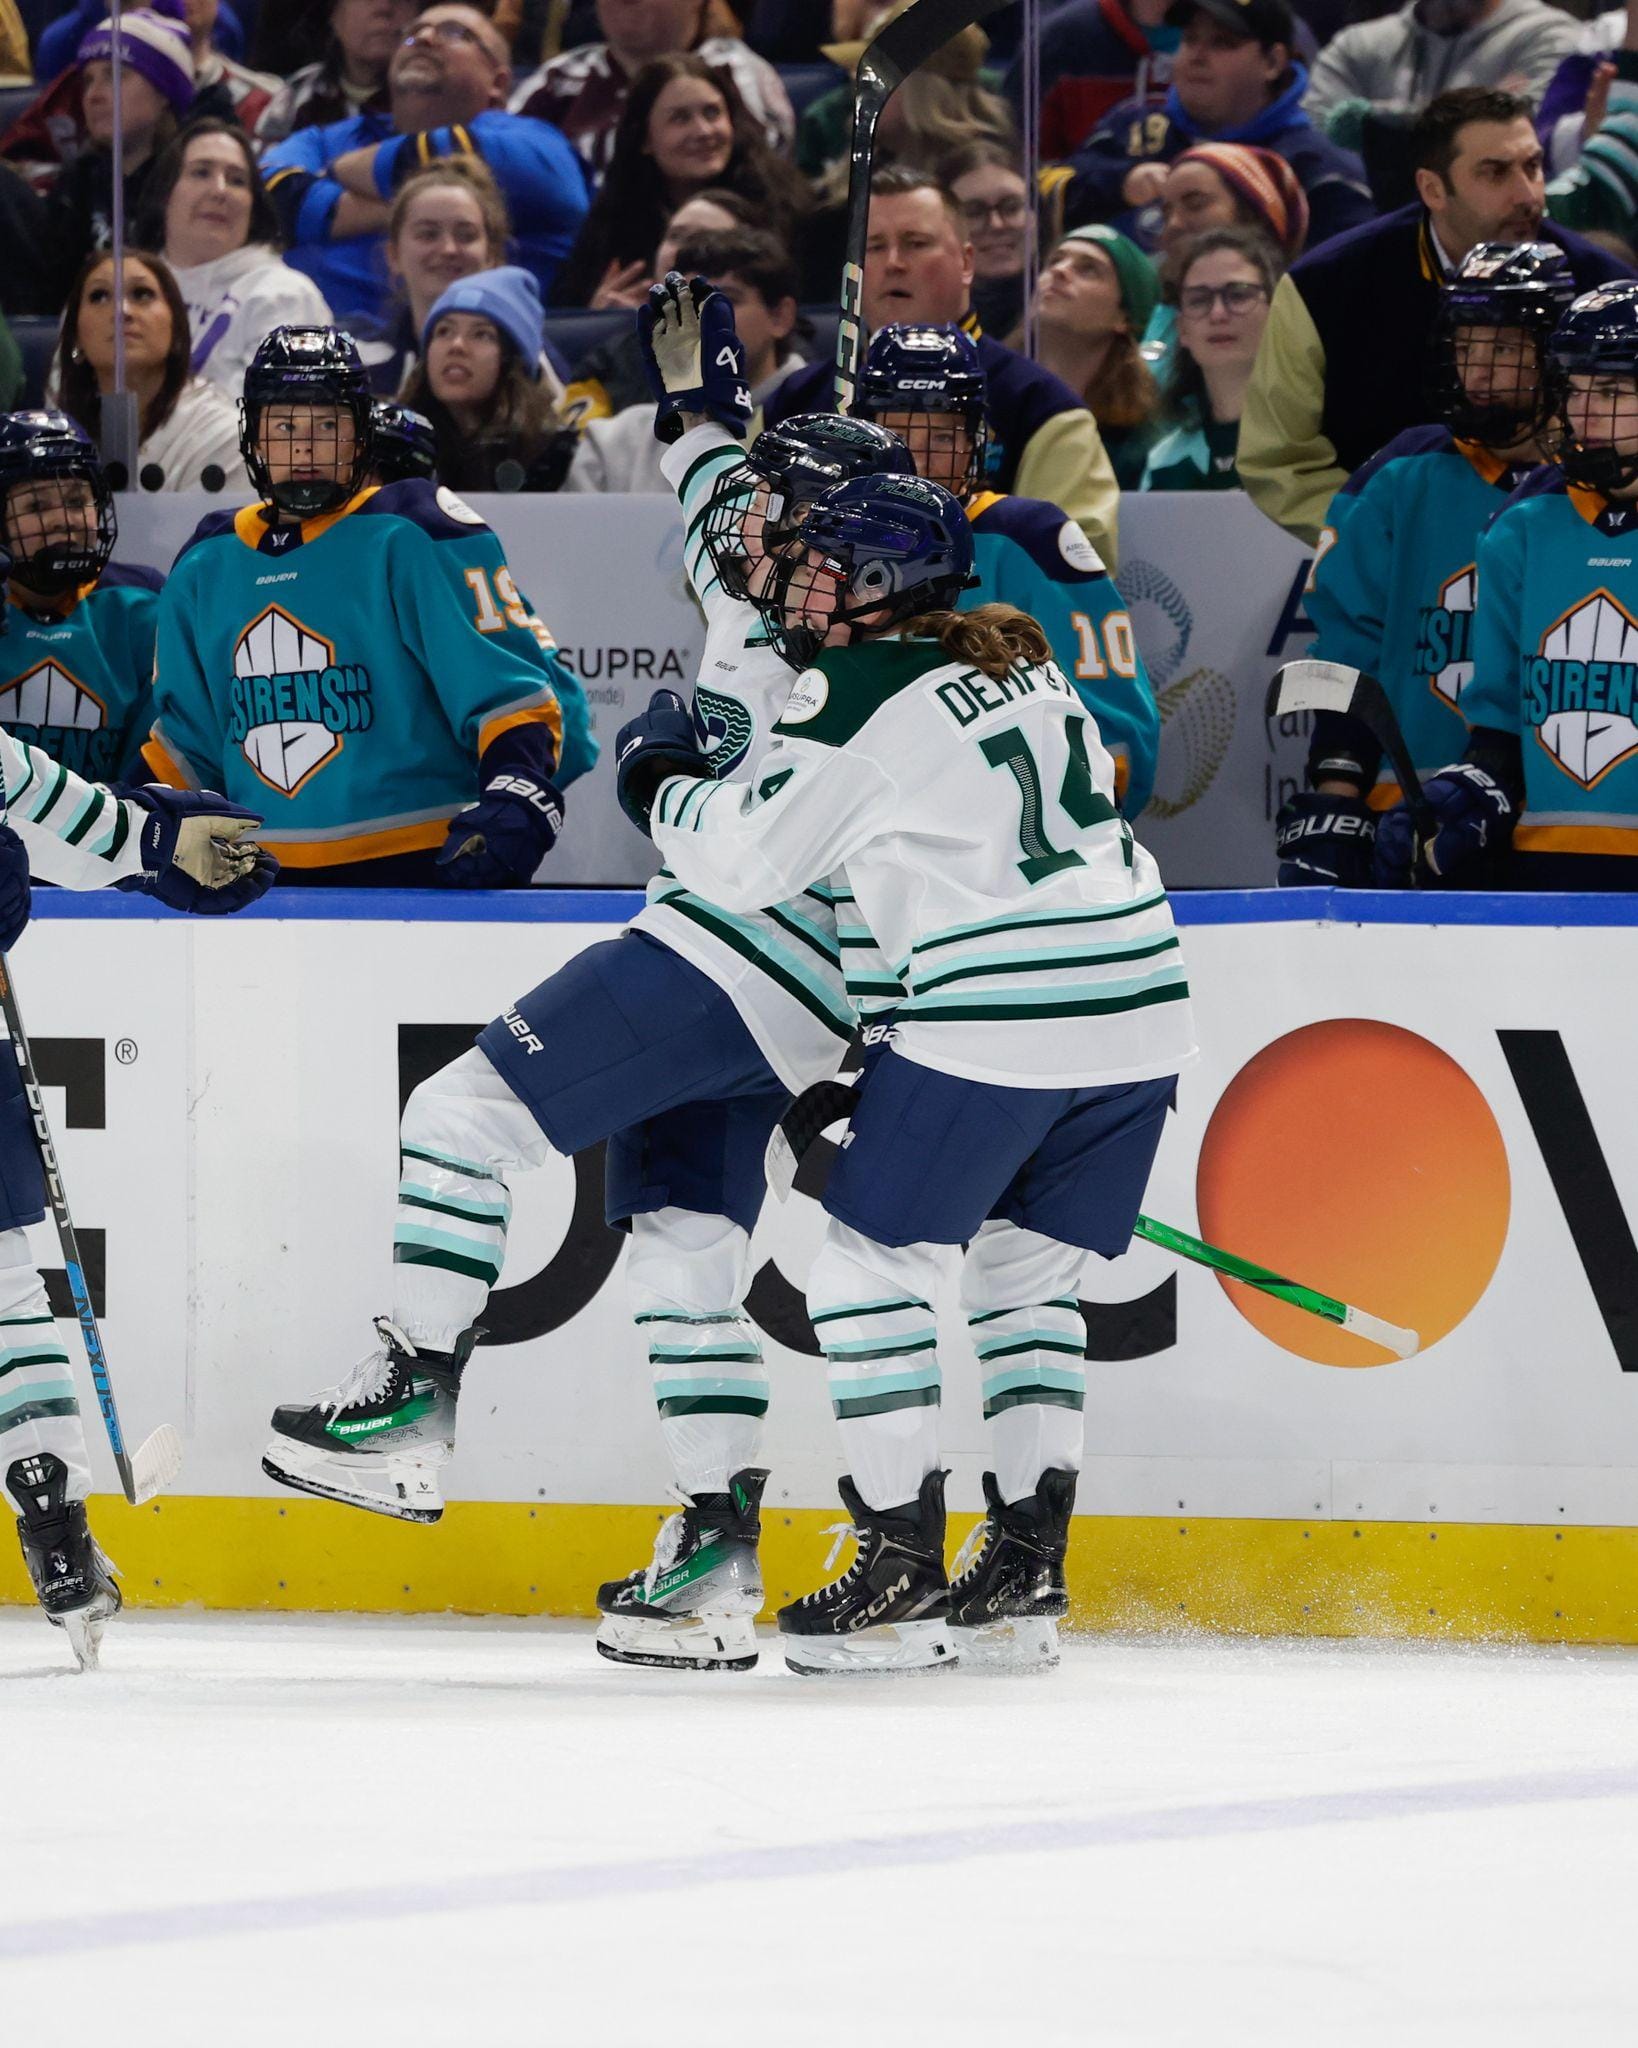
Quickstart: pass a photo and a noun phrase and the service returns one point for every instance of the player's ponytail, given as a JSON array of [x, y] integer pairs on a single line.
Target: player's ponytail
[[991, 637]]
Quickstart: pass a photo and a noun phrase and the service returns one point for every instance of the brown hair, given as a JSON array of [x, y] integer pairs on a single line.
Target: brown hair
[[1184, 397], [519, 421], [471, 174], [149, 229], [893, 181], [991, 637], [77, 387], [1436, 133]]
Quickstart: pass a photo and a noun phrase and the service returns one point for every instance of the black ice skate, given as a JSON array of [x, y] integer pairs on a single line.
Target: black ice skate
[[73, 1581], [379, 1439], [1006, 1604], [694, 1606], [890, 1610]]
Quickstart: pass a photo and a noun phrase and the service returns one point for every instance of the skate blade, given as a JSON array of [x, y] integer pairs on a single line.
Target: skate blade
[[695, 1642], [84, 1632], [895, 1647], [401, 1504], [1021, 1644]]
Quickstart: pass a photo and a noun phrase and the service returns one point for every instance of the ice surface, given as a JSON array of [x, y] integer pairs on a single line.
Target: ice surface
[[249, 1830]]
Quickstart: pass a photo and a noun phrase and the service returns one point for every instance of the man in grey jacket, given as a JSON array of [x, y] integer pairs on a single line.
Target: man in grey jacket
[[1388, 70]]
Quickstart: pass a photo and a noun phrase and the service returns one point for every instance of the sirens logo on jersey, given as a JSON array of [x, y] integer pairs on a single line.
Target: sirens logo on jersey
[[1578, 688], [1444, 638], [292, 703], [726, 729], [52, 709]]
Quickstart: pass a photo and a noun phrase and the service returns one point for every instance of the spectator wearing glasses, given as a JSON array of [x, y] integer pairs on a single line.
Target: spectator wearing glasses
[[448, 80], [1226, 279], [349, 79], [993, 200]]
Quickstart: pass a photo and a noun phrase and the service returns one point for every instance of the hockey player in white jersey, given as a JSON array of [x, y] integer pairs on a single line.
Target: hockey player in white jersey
[[681, 1044], [180, 845], [944, 766]]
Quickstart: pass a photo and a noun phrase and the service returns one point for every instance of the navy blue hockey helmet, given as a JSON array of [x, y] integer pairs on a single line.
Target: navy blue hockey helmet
[[932, 370], [59, 526], [402, 442], [787, 467], [1597, 440], [306, 366], [890, 548], [1489, 385]]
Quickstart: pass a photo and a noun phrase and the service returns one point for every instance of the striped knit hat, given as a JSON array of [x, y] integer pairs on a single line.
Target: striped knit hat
[[153, 44], [1262, 182]]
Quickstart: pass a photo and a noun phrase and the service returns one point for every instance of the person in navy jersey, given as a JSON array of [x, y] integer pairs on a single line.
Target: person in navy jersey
[[448, 81]]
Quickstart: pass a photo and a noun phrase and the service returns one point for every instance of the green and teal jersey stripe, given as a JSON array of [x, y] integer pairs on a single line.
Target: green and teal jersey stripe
[[1048, 960], [752, 942], [1170, 985]]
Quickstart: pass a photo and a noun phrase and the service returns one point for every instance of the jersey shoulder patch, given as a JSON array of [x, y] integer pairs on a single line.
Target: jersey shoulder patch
[[846, 686], [434, 508], [211, 527], [1403, 447], [1046, 533], [130, 576]]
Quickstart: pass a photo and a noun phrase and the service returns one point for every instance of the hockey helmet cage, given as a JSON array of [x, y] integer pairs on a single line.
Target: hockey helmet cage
[[1598, 337], [1525, 287], [918, 369], [306, 366], [894, 546], [54, 548]]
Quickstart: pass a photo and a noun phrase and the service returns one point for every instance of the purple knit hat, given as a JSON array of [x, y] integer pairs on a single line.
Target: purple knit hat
[[153, 44]]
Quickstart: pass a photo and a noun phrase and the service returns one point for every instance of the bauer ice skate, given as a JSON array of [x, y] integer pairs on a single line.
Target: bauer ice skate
[[890, 1610], [1008, 1593], [73, 1580], [694, 1606], [379, 1440]]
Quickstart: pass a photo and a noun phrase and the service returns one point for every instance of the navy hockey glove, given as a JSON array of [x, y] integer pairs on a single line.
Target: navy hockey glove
[[658, 742], [1324, 839], [498, 842], [14, 889], [692, 355], [196, 852], [1473, 816]]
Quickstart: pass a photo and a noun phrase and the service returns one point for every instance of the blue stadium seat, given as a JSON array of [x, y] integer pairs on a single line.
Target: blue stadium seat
[[574, 333], [36, 337], [806, 82], [14, 99]]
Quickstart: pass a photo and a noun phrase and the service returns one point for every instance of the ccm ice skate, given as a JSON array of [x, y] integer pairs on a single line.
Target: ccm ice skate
[[694, 1607], [379, 1439], [73, 1580], [890, 1610], [1008, 1593]]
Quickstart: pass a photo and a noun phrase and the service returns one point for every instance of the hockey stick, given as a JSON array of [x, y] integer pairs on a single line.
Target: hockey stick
[[1333, 686], [829, 1102], [156, 1462], [907, 41]]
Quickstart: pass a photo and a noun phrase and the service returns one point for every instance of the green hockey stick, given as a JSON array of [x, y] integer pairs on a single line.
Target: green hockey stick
[[831, 1102]]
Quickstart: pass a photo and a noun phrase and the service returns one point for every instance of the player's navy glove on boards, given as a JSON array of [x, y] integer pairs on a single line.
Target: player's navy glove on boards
[[1324, 839], [658, 742], [498, 842], [1474, 816], [692, 356], [196, 851], [14, 889]]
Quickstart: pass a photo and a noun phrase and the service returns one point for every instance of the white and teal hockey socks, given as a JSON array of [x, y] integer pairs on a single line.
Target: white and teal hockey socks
[[686, 1275], [462, 1130], [39, 1410], [871, 1309], [1024, 1315]]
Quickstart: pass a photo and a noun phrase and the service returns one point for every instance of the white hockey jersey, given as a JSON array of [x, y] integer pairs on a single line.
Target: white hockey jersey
[[973, 821], [78, 834], [780, 965]]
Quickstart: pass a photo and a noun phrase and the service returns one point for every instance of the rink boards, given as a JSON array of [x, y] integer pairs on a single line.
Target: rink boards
[[1435, 1120]]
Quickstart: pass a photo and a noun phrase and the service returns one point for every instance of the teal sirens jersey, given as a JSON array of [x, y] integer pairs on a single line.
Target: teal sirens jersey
[[1032, 555], [344, 676], [76, 678], [1555, 660], [1392, 590]]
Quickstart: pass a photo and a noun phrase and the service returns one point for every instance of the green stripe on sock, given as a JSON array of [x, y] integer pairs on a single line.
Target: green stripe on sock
[[711, 1404], [885, 1404], [488, 1271], [1039, 1397]]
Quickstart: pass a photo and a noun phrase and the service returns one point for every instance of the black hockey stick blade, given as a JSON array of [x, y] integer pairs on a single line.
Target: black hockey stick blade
[[1333, 686], [907, 41], [808, 1118]]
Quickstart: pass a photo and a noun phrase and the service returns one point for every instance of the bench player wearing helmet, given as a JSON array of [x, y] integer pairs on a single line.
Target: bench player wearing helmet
[[358, 657]]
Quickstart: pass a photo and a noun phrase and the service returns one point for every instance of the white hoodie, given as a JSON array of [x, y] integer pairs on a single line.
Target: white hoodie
[[235, 302], [202, 431]]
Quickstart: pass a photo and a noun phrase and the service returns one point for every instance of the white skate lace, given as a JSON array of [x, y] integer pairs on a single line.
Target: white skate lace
[[976, 1538], [842, 1531], [370, 1376], [667, 1543]]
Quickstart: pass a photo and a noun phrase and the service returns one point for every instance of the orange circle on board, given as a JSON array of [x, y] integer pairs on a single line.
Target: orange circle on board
[[1358, 1158]]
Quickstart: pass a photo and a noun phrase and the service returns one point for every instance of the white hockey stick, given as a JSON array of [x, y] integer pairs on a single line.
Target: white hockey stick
[[154, 1464]]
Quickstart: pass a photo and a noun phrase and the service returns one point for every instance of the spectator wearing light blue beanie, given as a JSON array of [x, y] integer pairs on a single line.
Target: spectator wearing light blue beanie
[[480, 383]]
